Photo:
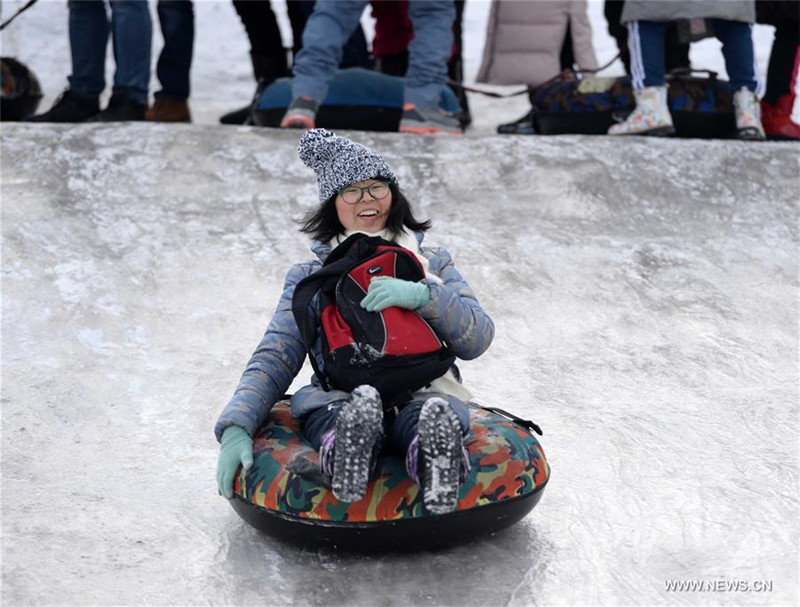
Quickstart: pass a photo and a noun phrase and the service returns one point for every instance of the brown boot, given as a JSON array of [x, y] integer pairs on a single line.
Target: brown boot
[[168, 110]]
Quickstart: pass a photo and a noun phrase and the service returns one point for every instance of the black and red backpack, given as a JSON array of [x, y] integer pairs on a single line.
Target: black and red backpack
[[393, 350]]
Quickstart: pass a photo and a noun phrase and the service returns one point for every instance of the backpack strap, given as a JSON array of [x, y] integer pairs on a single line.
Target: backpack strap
[[525, 423], [304, 293], [337, 263]]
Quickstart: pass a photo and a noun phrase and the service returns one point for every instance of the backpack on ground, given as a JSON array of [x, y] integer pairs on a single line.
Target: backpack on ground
[[701, 106], [21, 92], [394, 350]]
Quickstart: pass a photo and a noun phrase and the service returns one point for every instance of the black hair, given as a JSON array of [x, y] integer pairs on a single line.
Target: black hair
[[322, 222]]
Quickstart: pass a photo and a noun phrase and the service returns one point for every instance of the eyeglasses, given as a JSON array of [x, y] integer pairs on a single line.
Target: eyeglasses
[[353, 194]]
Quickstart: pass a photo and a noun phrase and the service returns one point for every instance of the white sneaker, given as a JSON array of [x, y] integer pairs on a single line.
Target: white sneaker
[[650, 116], [748, 115]]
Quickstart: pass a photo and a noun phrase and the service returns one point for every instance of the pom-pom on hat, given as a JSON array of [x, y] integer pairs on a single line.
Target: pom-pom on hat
[[338, 162]]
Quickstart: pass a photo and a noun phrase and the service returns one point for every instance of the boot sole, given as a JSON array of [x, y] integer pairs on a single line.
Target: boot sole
[[750, 134], [297, 122], [427, 130], [357, 431], [772, 137], [662, 131], [440, 441]]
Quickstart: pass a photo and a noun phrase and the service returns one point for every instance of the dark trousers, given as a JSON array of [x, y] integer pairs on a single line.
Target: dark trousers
[[785, 54], [676, 53], [264, 34], [131, 33], [646, 45], [176, 18]]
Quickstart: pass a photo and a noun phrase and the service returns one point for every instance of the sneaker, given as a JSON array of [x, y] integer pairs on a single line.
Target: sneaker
[[359, 428], [70, 107], [440, 440], [650, 116], [777, 119], [168, 110], [428, 121], [302, 114], [748, 115], [121, 109]]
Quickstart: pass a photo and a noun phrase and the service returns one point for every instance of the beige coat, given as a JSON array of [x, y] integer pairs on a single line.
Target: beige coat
[[524, 39]]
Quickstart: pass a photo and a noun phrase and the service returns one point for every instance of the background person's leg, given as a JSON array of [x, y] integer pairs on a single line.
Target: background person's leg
[[132, 36]]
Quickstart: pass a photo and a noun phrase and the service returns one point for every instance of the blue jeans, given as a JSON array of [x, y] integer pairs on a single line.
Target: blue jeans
[[399, 431], [175, 60], [646, 45], [332, 22], [132, 34]]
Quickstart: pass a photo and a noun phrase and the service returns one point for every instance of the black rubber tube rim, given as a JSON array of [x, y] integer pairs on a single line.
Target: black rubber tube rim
[[403, 535]]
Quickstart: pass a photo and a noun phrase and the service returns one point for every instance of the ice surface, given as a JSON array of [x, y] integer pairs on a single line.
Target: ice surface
[[645, 296], [646, 301]]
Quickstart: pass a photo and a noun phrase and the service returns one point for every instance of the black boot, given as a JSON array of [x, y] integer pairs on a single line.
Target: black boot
[[121, 108], [266, 70], [70, 107], [523, 126]]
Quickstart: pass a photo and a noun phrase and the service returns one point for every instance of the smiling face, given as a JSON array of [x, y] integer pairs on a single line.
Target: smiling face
[[368, 214]]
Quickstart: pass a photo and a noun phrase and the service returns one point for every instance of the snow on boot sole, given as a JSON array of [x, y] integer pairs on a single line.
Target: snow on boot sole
[[440, 441], [750, 134], [358, 428]]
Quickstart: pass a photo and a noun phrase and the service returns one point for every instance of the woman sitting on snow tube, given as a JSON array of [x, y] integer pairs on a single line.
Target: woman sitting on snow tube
[[350, 425]]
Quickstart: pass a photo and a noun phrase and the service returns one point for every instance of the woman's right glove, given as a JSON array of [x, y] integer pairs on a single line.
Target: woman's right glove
[[385, 291], [236, 449]]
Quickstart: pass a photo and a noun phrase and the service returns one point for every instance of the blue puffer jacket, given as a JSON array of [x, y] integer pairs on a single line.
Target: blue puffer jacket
[[453, 312]]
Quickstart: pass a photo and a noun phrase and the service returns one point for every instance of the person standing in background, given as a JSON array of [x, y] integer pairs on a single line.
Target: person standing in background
[[731, 22], [784, 63], [176, 18], [131, 32], [327, 30], [531, 42], [269, 57]]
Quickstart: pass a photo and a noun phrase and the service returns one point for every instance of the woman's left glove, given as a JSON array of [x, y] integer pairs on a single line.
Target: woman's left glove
[[385, 292], [237, 448]]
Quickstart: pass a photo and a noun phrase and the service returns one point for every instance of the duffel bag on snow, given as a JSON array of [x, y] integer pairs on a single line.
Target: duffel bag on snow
[[358, 99], [700, 106]]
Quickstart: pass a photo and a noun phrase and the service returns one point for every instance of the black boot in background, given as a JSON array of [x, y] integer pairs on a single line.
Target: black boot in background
[[121, 108], [266, 70], [70, 107], [523, 126]]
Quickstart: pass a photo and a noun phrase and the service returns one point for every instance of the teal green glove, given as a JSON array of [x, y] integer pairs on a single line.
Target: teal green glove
[[385, 292], [237, 448]]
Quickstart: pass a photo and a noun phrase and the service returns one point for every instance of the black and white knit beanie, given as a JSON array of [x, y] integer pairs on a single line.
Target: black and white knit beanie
[[338, 162]]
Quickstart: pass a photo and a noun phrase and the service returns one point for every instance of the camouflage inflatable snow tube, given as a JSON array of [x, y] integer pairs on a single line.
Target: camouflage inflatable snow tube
[[284, 495]]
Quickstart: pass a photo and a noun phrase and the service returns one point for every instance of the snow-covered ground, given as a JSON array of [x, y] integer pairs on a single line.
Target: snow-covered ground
[[222, 79], [645, 294]]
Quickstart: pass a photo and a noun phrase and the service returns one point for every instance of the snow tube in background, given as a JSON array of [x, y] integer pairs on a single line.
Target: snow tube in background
[[285, 495], [358, 99]]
